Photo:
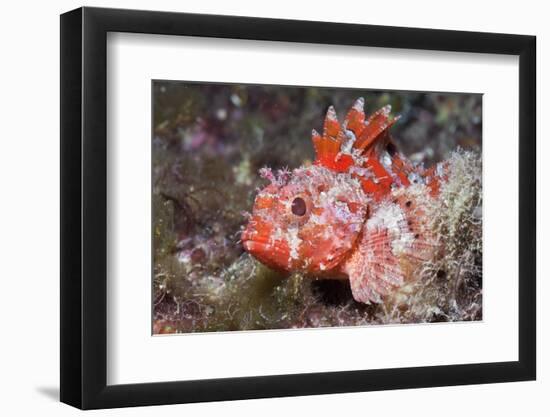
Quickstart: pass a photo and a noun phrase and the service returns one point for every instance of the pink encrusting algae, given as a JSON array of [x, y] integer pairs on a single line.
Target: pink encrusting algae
[[362, 211]]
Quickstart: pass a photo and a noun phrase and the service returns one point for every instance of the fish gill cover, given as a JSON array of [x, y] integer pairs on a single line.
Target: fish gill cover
[[210, 143]]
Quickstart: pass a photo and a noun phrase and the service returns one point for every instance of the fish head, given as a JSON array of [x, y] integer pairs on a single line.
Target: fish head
[[307, 220]]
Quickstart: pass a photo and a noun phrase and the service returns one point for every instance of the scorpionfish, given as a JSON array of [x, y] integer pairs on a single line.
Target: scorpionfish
[[358, 212]]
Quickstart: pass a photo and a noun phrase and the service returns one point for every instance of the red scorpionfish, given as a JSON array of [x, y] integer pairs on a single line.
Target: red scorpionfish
[[358, 213]]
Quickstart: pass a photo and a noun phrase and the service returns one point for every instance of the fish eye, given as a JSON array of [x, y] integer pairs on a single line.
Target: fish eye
[[298, 207]]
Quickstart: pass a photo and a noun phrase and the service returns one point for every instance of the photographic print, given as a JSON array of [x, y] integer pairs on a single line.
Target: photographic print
[[283, 207]]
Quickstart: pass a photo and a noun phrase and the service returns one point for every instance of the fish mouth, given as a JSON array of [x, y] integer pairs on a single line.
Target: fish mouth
[[256, 245], [272, 254], [251, 240]]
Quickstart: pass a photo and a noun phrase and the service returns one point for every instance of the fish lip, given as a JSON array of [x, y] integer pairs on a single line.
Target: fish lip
[[267, 253], [252, 237], [253, 247], [259, 246]]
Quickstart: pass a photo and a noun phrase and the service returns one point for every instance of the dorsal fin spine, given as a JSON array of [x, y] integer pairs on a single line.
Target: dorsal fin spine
[[334, 143]]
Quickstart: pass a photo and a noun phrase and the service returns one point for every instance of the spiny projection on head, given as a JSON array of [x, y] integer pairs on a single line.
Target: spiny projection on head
[[360, 212]]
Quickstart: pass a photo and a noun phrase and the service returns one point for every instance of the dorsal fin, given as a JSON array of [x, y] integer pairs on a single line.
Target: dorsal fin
[[328, 147], [356, 135], [355, 119], [376, 129]]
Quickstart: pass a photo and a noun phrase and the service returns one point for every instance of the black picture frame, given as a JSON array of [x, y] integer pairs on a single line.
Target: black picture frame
[[84, 207]]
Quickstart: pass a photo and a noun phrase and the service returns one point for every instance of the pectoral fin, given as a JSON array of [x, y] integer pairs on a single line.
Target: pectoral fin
[[374, 269], [395, 241]]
